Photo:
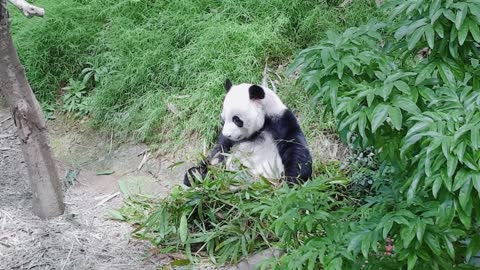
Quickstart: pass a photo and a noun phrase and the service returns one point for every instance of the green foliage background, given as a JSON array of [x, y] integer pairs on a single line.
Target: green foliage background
[[168, 53]]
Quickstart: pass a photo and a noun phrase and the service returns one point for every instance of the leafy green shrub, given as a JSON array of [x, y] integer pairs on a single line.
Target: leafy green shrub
[[422, 114], [74, 98], [227, 218]]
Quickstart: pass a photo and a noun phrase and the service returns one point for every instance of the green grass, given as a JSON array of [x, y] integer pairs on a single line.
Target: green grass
[[164, 54]]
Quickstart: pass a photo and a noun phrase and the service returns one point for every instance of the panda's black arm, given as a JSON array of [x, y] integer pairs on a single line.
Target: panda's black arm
[[292, 147], [223, 145]]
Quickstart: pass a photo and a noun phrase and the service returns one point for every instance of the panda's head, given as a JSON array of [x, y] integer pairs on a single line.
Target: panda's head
[[243, 110]]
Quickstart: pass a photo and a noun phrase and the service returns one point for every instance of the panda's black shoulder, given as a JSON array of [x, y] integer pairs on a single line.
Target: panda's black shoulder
[[284, 126]]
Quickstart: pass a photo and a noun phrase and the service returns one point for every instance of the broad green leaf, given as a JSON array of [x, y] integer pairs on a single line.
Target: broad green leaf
[[450, 248], [406, 104], [437, 184], [475, 9], [335, 264], [469, 161], [475, 137], [434, 7], [464, 195], [349, 120], [453, 47], [395, 117], [415, 37], [429, 35], [340, 67], [432, 242], [379, 115], [401, 32], [402, 86], [365, 246], [420, 230], [362, 123], [412, 260], [183, 230], [474, 30], [461, 147], [473, 246], [325, 56], [446, 74], [370, 99], [447, 181], [464, 218], [460, 179], [449, 15], [476, 181], [461, 14], [407, 234], [463, 32], [387, 228], [446, 213], [439, 29], [355, 242], [452, 163]]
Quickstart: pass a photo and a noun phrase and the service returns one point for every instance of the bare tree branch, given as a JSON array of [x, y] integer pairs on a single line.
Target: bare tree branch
[[28, 9]]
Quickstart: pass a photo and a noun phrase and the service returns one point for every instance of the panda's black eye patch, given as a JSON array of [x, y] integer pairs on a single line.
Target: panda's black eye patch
[[237, 121]]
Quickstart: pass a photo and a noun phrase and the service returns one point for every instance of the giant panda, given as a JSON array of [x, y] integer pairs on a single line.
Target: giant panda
[[260, 133]]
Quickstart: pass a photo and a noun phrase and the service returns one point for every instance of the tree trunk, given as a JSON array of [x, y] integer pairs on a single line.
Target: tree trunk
[[31, 127]]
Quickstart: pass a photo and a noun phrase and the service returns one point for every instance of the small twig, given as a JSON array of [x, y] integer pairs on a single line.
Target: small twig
[[5, 120], [145, 158], [101, 197], [28, 9], [107, 199], [33, 262], [5, 149], [141, 153], [68, 257]]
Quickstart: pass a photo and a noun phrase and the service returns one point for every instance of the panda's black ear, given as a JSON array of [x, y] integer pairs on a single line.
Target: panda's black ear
[[228, 85], [256, 92]]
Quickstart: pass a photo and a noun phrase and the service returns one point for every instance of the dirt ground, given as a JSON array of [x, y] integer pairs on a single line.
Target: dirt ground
[[84, 237]]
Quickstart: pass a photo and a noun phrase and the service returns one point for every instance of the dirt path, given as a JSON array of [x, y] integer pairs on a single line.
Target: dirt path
[[83, 238]]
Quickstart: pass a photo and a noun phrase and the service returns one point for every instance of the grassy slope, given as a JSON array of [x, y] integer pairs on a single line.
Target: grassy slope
[[176, 53]]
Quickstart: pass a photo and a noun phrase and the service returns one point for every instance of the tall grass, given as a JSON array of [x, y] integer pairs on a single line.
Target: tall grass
[[167, 60]]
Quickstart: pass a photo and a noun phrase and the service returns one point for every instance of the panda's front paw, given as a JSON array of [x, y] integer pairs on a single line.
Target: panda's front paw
[[292, 181], [193, 173]]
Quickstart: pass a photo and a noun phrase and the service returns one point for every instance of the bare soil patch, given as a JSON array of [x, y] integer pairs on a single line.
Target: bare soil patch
[[84, 237]]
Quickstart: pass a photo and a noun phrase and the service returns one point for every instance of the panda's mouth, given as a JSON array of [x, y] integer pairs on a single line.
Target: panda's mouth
[[236, 139]]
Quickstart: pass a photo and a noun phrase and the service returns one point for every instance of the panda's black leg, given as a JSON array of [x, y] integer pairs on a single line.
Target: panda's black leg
[[297, 163]]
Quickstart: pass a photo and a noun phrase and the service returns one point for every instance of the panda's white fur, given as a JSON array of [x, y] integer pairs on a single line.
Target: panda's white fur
[[261, 156]]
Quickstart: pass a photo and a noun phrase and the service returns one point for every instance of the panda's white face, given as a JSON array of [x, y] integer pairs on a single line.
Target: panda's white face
[[243, 113]]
